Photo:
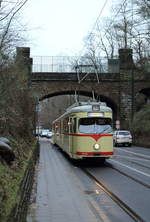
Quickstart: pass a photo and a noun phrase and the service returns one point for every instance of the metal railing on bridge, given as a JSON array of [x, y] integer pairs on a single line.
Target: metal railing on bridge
[[66, 64]]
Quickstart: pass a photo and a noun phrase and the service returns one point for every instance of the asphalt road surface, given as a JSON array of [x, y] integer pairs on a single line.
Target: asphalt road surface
[[64, 193]]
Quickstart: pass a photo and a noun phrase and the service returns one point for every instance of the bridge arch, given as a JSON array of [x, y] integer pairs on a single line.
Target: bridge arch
[[142, 97], [146, 92], [98, 97]]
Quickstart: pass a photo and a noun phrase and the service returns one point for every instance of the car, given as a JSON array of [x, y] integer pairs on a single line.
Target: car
[[44, 132], [37, 132], [49, 134], [122, 137]]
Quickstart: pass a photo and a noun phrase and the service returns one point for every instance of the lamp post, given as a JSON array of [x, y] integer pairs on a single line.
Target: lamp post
[[38, 123]]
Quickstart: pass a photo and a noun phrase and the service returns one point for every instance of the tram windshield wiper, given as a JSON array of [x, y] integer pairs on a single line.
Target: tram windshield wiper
[[107, 129]]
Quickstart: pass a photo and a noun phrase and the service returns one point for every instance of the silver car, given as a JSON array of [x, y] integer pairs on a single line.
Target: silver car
[[122, 137], [49, 134], [44, 132]]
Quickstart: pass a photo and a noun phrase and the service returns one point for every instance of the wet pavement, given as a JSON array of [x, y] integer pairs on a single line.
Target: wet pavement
[[59, 197], [63, 193]]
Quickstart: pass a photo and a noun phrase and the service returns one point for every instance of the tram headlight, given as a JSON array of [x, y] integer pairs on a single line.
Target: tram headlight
[[96, 146]]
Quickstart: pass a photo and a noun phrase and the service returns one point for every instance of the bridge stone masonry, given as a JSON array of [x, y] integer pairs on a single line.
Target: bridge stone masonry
[[118, 89]]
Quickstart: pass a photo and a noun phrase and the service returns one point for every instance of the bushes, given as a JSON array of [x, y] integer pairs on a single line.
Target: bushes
[[17, 111], [11, 180], [141, 126], [141, 121], [9, 183]]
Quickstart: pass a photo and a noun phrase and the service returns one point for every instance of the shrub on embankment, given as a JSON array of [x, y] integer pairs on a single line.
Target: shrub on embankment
[[16, 181], [17, 121], [141, 127]]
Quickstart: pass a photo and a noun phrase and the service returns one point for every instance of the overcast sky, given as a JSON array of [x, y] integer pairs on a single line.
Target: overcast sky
[[58, 27]]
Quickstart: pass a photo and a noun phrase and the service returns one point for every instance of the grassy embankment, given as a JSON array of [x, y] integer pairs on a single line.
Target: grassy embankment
[[11, 177]]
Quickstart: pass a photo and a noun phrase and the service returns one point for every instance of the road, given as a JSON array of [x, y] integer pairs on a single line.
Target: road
[[63, 192]]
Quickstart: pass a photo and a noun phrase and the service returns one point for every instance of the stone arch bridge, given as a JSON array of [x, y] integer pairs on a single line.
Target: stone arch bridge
[[118, 89]]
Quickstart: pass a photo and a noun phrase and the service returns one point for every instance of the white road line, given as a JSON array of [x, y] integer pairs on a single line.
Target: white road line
[[131, 168], [132, 158], [133, 152]]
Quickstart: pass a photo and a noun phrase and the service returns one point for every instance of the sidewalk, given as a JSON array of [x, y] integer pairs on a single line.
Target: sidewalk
[[59, 196]]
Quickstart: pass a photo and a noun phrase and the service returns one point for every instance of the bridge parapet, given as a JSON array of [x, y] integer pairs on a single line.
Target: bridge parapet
[[67, 64], [72, 76]]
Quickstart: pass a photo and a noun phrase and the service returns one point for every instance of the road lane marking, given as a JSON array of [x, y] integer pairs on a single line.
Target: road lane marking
[[132, 158], [133, 153], [131, 168]]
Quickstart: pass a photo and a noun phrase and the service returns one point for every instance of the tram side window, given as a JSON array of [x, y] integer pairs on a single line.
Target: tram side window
[[57, 127], [66, 127], [53, 127], [61, 124], [73, 125]]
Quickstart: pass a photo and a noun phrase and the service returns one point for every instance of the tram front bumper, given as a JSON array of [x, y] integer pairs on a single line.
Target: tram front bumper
[[80, 155]]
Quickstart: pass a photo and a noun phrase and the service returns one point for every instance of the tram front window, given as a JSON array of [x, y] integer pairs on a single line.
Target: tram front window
[[95, 125]]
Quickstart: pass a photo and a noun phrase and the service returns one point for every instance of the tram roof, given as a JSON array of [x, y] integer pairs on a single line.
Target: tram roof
[[86, 107]]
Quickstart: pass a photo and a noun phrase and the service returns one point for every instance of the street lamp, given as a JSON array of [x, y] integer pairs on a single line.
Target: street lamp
[[37, 111]]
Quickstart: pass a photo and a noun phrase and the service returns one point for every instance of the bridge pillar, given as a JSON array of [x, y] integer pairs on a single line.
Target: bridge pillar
[[24, 63], [24, 70], [126, 88]]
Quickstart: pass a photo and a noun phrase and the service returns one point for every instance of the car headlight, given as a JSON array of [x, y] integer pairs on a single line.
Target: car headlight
[[96, 146]]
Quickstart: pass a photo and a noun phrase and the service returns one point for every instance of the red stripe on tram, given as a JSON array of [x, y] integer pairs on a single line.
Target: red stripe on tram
[[94, 153], [94, 136]]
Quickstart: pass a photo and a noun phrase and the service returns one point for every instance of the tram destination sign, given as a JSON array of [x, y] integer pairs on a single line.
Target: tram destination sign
[[96, 114]]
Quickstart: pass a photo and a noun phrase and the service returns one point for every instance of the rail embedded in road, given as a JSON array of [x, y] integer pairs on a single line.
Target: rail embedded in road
[[119, 202]]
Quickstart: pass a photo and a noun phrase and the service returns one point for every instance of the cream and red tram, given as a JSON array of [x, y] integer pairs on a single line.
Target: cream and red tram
[[85, 131]]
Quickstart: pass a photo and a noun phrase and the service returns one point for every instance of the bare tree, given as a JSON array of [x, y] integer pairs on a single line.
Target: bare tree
[[142, 32], [106, 39], [143, 8], [9, 34], [16, 104], [128, 27]]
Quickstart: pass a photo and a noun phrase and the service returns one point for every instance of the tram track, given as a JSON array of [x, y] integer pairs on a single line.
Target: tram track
[[129, 176], [114, 197]]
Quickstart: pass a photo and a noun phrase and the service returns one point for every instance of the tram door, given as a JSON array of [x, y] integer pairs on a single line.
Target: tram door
[[72, 130], [62, 134]]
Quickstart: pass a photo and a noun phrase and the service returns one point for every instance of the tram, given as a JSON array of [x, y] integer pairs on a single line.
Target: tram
[[85, 131]]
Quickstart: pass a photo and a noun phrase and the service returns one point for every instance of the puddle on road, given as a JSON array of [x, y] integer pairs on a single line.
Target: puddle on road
[[92, 192]]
